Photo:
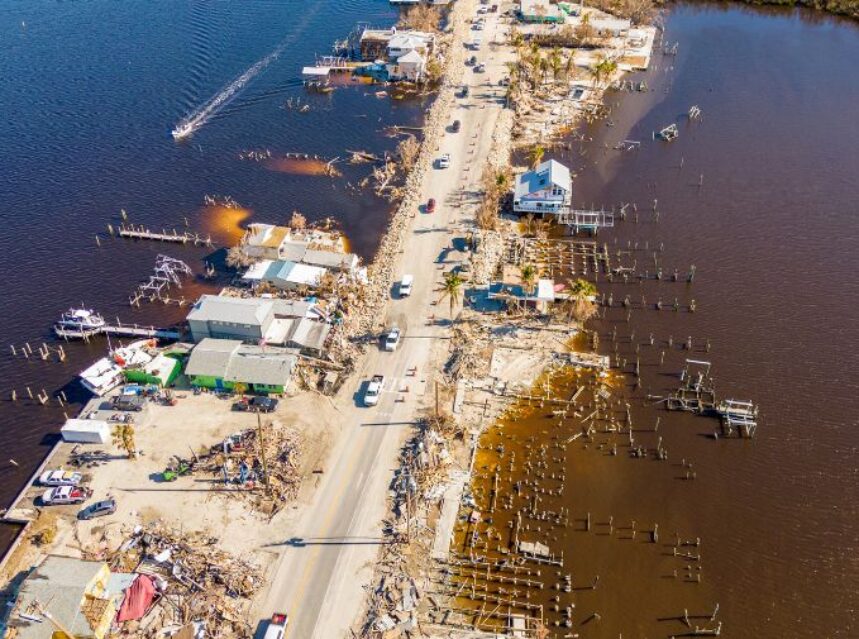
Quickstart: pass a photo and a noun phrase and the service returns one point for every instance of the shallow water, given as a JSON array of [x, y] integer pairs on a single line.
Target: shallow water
[[772, 233]]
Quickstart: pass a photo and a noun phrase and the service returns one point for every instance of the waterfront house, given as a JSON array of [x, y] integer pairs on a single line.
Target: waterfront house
[[260, 320], [541, 297], [313, 247], [389, 44], [75, 593], [544, 190], [410, 66], [220, 364], [284, 275], [245, 319], [540, 12]]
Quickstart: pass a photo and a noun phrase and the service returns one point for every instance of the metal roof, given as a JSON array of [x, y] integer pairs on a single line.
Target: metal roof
[[306, 333], [60, 584], [211, 357], [235, 310], [234, 361], [545, 175]]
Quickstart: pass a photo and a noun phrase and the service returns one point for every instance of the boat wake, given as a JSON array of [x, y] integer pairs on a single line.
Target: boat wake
[[193, 121]]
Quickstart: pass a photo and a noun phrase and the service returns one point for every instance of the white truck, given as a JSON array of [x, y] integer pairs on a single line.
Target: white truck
[[406, 285], [392, 339], [277, 626], [374, 390]]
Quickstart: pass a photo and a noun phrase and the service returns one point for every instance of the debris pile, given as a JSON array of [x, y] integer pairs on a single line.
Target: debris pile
[[262, 463], [194, 583]]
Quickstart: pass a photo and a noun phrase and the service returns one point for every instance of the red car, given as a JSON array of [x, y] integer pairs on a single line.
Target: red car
[[431, 205]]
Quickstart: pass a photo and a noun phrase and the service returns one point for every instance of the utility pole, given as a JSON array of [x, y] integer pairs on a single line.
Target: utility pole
[[262, 450]]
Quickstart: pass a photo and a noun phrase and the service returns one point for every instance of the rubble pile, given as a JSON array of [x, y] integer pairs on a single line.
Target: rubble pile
[[266, 473], [471, 352], [486, 260], [194, 581]]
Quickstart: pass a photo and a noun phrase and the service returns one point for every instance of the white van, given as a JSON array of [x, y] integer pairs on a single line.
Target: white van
[[476, 41], [406, 285]]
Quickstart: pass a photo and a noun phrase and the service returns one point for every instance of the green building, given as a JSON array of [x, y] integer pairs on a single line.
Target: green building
[[161, 371], [220, 364], [540, 11]]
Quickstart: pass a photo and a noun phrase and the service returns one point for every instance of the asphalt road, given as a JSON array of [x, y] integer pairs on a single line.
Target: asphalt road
[[320, 574]]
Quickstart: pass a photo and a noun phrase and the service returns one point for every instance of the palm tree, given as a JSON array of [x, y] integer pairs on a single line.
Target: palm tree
[[452, 290], [535, 155], [123, 437], [582, 301], [556, 62], [603, 70], [529, 274]]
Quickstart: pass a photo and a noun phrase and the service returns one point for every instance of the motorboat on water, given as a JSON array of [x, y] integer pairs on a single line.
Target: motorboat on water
[[182, 131], [79, 322], [106, 374]]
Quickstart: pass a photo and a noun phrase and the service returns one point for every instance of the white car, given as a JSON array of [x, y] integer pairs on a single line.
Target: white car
[[374, 390], [406, 285], [392, 339], [60, 478], [444, 161], [482, 9], [66, 495]]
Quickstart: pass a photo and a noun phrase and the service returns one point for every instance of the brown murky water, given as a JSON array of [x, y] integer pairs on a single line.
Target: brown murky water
[[772, 233]]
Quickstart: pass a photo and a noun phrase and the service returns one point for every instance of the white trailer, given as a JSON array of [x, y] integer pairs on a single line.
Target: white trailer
[[86, 431]]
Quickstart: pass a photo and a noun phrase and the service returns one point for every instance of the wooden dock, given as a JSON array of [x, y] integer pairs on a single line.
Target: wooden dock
[[121, 330], [131, 232]]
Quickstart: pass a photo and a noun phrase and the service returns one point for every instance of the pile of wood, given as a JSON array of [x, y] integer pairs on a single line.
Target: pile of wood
[[261, 463], [196, 583]]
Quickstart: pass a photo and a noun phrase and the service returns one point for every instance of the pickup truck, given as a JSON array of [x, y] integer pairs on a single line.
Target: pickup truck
[[392, 339], [374, 390], [406, 285], [66, 495], [277, 626]]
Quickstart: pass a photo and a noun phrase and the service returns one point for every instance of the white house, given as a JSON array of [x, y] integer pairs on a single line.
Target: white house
[[410, 66], [546, 189], [403, 42]]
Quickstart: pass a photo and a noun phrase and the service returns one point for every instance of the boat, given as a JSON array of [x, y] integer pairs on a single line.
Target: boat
[[79, 322], [107, 373], [182, 131]]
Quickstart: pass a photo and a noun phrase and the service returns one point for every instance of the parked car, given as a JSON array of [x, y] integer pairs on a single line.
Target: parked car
[[477, 26], [480, 68], [471, 61], [65, 495], [98, 509], [392, 339], [482, 9], [456, 126], [256, 404], [60, 478], [133, 403], [277, 626], [431, 205], [464, 92], [374, 390], [444, 161], [406, 285]]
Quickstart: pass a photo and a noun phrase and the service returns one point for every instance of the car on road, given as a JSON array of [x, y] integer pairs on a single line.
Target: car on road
[[65, 495], [480, 68], [98, 509], [456, 126], [464, 92], [127, 402], [277, 626], [405, 288], [482, 9], [256, 404], [60, 478], [431, 205], [444, 161], [392, 338], [478, 26], [471, 61], [374, 390]]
